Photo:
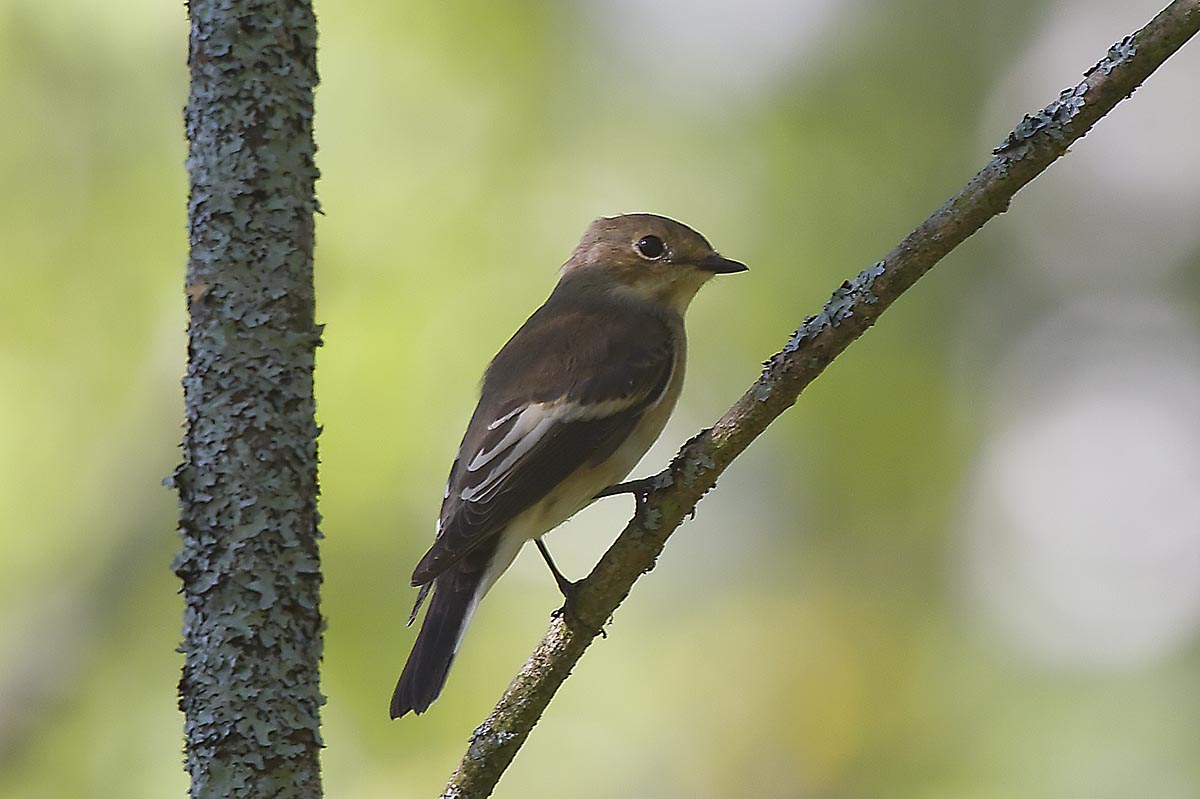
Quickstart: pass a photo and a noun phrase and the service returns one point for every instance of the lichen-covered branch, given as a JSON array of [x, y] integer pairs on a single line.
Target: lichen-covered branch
[[248, 482], [1027, 151]]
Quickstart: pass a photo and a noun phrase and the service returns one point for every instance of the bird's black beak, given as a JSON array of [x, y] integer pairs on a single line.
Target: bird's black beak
[[720, 266]]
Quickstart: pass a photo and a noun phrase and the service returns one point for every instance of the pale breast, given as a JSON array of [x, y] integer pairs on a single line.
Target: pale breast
[[580, 489]]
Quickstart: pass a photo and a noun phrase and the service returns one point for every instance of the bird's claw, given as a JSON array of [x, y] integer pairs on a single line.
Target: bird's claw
[[639, 488], [568, 612]]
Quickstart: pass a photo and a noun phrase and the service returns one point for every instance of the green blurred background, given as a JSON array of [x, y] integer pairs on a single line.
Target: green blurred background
[[967, 564]]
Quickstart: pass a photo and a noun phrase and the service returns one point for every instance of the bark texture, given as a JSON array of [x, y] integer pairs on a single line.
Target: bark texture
[[248, 482]]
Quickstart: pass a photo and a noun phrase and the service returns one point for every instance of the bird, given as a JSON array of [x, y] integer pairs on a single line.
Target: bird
[[566, 410]]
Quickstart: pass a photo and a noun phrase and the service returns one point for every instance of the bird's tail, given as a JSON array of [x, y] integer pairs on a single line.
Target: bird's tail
[[455, 595]]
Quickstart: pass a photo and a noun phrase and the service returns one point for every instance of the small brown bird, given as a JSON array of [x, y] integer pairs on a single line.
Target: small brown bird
[[567, 408]]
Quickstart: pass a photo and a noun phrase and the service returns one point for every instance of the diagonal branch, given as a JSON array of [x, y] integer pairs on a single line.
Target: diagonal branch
[[1038, 141]]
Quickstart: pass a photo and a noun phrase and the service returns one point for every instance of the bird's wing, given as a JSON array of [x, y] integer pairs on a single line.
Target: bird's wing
[[565, 392]]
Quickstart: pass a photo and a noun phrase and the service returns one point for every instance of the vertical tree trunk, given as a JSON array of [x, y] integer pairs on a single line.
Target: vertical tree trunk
[[248, 482]]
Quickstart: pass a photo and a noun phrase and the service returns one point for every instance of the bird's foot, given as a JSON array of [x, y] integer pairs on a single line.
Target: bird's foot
[[569, 612], [639, 488]]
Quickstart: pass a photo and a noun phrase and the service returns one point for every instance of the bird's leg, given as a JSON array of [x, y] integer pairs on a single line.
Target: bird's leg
[[639, 488], [564, 585], [567, 587]]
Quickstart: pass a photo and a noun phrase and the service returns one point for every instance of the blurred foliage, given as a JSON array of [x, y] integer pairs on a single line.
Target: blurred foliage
[[809, 634]]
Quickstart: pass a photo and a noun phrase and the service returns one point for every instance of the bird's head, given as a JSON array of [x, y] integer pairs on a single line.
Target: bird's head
[[645, 257]]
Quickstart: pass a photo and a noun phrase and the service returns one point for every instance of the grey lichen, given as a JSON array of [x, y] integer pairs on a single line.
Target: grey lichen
[[1118, 54], [484, 740], [650, 519], [840, 306], [663, 480], [1050, 121], [248, 482]]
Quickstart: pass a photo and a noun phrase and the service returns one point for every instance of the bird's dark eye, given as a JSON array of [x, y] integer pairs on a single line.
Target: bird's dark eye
[[651, 247]]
